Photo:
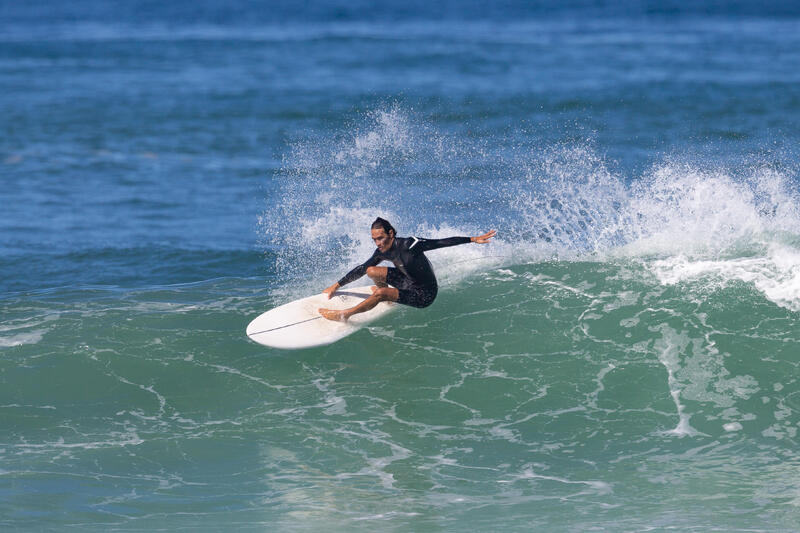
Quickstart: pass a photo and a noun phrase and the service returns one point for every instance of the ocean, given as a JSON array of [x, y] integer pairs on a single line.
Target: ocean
[[624, 356]]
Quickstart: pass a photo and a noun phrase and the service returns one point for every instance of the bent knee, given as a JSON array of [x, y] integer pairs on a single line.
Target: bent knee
[[374, 271], [383, 294]]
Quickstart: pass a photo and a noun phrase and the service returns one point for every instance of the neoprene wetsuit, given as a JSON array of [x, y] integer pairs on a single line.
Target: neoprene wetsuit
[[413, 274]]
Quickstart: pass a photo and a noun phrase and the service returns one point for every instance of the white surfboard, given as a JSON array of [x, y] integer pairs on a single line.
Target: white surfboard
[[298, 324]]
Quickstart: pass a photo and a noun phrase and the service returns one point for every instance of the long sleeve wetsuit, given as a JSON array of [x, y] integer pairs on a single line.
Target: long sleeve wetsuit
[[414, 277]]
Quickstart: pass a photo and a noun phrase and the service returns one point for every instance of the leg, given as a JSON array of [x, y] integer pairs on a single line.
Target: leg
[[378, 275], [382, 294]]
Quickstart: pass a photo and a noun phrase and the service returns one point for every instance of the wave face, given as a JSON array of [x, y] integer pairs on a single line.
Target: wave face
[[566, 394], [623, 357]]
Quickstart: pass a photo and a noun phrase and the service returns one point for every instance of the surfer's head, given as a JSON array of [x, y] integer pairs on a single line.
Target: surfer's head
[[383, 234]]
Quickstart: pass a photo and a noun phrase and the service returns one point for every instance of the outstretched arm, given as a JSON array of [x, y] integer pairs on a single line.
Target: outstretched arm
[[425, 245]]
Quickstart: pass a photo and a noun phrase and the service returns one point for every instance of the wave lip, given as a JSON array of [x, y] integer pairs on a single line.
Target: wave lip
[[776, 274], [683, 218]]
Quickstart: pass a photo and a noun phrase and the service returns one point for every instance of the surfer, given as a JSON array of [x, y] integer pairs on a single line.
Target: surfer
[[410, 282]]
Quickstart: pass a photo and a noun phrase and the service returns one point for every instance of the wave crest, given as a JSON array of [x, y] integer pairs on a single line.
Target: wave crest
[[554, 202]]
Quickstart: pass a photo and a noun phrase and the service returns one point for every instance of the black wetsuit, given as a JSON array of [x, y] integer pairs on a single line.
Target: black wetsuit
[[413, 276]]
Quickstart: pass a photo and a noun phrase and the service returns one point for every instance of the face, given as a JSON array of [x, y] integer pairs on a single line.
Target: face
[[382, 240]]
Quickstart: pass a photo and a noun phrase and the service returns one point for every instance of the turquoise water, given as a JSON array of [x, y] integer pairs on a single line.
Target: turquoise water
[[624, 356]]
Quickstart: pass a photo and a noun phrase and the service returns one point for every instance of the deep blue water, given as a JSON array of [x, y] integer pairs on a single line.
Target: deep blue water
[[624, 357]]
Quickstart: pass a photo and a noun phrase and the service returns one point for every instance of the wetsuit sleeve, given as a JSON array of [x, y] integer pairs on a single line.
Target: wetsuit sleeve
[[360, 270], [423, 245]]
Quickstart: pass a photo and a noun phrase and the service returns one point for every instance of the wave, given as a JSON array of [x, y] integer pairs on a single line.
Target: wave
[[682, 217], [565, 382], [717, 350]]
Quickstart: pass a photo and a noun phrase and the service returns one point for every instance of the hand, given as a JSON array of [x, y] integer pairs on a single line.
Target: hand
[[486, 237], [331, 290]]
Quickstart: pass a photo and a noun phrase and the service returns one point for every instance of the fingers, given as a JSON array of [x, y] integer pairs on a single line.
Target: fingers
[[330, 291], [483, 239]]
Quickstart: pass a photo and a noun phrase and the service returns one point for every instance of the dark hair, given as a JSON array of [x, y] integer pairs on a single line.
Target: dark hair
[[384, 224]]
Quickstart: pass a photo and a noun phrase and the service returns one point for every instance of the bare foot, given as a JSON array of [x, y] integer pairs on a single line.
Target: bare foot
[[330, 314]]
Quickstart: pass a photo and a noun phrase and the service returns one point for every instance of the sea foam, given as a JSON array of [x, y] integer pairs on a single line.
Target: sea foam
[[683, 218]]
